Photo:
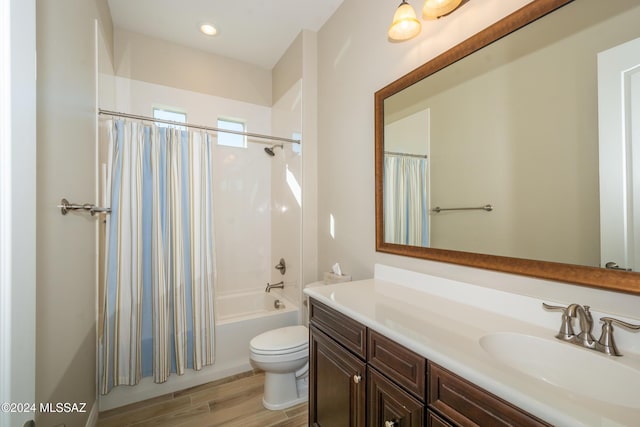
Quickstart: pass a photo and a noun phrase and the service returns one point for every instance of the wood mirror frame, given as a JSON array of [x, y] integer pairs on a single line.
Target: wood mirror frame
[[628, 282]]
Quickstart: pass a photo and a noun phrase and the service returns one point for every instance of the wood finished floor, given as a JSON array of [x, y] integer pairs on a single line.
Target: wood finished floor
[[231, 402]]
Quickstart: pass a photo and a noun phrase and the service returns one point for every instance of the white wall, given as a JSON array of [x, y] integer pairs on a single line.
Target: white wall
[[17, 190], [286, 186], [298, 69], [355, 60]]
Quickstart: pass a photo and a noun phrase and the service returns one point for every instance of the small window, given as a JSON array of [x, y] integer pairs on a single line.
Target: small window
[[174, 116], [232, 139], [296, 148]]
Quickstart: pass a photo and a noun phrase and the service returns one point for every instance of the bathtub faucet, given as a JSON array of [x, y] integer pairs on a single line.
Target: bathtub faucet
[[279, 285]]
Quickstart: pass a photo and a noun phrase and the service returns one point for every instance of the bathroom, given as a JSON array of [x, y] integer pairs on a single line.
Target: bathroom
[[341, 67]]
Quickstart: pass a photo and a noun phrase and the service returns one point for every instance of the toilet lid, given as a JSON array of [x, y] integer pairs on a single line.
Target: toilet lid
[[282, 339]]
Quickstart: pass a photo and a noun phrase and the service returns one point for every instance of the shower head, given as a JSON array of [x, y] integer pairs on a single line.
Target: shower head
[[269, 150]]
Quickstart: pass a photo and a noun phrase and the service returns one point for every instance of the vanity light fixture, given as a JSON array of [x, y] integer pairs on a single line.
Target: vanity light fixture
[[405, 25], [208, 29], [434, 9]]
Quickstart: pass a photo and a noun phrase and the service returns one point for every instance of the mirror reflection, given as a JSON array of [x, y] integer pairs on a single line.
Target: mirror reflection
[[514, 126]]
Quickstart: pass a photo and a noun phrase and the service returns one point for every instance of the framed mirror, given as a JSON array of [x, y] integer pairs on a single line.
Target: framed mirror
[[501, 135]]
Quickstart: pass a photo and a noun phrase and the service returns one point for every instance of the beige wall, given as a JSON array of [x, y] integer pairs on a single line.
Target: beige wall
[[152, 60], [288, 70], [355, 60], [310, 271], [66, 272]]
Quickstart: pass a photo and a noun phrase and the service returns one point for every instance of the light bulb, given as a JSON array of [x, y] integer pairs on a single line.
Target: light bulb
[[208, 29], [405, 25], [434, 9]]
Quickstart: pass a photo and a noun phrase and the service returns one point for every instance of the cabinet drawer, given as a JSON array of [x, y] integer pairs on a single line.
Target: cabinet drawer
[[435, 421], [398, 363], [389, 404], [346, 331], [468, 405]]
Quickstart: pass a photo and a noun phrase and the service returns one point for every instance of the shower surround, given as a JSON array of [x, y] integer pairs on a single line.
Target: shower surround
[[257, 211]]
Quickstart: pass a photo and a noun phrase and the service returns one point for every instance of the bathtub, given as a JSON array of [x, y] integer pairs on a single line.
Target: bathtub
[[239, 317], [243, 306]]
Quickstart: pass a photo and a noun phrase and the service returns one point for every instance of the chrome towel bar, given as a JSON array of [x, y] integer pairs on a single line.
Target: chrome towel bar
[[487, 208], [65, 207]]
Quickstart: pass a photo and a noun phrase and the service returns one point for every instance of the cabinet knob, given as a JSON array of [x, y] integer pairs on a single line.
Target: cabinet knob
[[357, 378], [393, 423]]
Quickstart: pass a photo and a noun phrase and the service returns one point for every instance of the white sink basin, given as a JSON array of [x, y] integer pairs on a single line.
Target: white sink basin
[[579, 371]]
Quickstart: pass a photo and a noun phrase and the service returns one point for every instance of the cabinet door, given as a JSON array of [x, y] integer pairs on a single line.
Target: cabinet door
[[390, 406], [337, 390]]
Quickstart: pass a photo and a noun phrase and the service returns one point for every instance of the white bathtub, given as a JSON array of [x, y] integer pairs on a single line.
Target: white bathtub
[[239, 317], [249, 305]]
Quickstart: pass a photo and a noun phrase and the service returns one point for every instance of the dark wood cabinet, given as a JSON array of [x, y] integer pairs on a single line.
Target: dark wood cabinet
[[466, 404], [391, 406], [403, 366], [360, 377], [337, 369], [347, 391], [347, 332], [433, 420], [337, 390]]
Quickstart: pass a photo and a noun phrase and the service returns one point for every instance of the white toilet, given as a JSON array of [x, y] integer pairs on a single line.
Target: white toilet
[[283, 355]]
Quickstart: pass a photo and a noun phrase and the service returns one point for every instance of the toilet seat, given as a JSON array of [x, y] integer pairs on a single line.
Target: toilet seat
[[304, 347], [290, 339]]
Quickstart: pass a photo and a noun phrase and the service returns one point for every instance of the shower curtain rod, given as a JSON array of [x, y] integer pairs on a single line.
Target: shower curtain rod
[[395, 153], [207, 128]]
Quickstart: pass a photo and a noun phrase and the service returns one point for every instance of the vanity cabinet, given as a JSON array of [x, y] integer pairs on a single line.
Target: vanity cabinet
[[359, 377], [337, 369]]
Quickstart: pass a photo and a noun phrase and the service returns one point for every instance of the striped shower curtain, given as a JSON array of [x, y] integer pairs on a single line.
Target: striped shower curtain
[[158, 310], [405, 200]]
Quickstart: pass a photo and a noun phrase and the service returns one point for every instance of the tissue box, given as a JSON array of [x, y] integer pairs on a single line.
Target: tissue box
[[330, 278]]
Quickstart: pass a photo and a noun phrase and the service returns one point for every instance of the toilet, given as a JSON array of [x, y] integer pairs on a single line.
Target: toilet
[[283, 355]]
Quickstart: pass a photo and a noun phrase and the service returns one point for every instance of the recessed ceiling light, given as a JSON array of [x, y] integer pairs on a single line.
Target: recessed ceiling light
[[208, 29]]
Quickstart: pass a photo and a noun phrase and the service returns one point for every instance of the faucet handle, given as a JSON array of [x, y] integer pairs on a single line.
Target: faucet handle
[[606, 344], [553, 307], [566, 330]]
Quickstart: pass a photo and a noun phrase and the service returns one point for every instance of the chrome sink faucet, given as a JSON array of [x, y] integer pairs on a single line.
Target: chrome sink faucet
[[584, 338], [279, 285], [605, 344]]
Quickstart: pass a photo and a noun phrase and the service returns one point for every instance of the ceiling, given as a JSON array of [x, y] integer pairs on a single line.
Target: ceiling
[[253, 31]]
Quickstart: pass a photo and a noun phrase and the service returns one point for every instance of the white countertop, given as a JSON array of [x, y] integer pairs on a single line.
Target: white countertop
[[447, 332]]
